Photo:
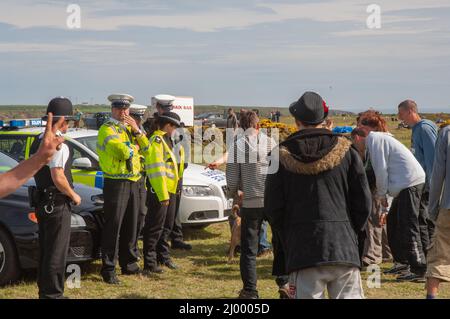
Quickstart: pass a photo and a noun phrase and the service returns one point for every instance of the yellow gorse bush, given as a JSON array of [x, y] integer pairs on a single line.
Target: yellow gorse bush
[[444, 124]]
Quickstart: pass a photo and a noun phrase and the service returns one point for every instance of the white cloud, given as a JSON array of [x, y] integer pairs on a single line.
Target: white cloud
[[85, 46], [13, 47], [364, 32], [350, 57], [27, 15]]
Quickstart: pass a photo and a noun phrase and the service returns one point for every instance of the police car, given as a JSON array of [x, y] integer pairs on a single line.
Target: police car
[[203, 202]]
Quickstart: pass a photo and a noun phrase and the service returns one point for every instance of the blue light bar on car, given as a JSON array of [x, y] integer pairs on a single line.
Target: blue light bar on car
[[17, 123]]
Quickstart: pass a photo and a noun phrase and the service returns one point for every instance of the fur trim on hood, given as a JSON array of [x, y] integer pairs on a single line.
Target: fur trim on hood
[[328, 162]]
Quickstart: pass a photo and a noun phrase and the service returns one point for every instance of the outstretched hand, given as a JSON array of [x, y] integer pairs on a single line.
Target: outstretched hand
[[51, 141], [213, 165]]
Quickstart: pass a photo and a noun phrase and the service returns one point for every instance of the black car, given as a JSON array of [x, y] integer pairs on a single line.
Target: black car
[[19, 246], [209, 119]]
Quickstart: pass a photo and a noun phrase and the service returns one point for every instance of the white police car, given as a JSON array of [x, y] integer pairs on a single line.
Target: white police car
[[203, 202]]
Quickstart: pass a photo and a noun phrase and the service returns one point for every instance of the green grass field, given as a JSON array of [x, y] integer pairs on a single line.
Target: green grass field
[[204, 272]]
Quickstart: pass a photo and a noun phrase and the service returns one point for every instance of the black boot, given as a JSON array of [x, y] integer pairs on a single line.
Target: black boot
[[181, 245]]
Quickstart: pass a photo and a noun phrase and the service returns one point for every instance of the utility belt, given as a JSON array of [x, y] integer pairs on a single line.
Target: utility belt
[[50, 197]]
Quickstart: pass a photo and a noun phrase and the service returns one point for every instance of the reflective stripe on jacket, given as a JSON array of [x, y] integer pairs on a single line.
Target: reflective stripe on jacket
[[116, 146], [161, 166]]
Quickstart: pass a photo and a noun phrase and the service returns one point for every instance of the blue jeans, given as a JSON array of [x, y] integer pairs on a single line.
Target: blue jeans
[[263, 242]]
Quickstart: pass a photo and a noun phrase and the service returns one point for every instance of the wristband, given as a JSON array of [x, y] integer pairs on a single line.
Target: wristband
[[138, 133]]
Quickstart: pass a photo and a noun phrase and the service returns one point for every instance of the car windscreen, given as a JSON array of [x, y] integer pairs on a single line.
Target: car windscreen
[[202, 116], [6, 163], [89, 141]]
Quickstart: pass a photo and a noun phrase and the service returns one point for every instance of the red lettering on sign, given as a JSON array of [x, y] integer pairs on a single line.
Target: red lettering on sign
[[185, 107]]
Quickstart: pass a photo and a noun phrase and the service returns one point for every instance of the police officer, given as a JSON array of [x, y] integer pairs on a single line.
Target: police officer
[[163, 176], [137, 112], [120, 142], [164, 103], [177, 232], [53, 196]]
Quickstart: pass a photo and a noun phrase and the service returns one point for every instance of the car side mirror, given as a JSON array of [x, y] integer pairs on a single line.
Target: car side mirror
[[82, 162]]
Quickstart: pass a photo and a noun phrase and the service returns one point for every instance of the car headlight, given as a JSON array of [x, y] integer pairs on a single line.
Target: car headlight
[[77, 221], [197, 191]]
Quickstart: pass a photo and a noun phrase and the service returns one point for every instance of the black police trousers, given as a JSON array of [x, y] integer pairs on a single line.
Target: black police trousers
[[119, 232], [176, 235], [158, 226], [142, 211], [54, 240], [406, 232]]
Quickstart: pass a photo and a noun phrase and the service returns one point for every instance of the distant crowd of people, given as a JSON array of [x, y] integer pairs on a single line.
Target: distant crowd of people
[[233, 121], [275, 116]]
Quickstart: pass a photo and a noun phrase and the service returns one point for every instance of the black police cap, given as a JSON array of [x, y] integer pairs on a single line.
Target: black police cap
[[171, 117], [60, 106], [121, 104]]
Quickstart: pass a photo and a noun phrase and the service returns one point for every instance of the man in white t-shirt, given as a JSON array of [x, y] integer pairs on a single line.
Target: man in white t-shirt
[[53, 197]]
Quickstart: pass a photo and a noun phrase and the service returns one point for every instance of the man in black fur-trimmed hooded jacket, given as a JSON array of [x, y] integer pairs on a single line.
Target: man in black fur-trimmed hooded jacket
[[319, 200]]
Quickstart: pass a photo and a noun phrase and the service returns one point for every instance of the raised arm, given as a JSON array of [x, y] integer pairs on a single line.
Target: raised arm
[[17, 176]]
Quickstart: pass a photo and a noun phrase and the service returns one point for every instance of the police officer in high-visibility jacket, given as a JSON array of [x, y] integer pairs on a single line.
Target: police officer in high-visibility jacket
[[119, 143], [163, 172], [164, 103], [137, 112], [176, 235]]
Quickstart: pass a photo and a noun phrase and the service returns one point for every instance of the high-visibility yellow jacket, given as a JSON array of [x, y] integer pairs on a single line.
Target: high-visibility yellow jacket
[[116, 146], [161, 166]]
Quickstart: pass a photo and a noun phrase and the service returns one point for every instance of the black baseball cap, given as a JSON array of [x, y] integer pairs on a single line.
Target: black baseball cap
[[59, 107]]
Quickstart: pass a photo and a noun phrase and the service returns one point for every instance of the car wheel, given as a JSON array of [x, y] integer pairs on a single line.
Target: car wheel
[[9, 264]]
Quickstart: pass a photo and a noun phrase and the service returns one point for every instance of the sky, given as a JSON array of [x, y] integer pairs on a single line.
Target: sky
[[228, 52]]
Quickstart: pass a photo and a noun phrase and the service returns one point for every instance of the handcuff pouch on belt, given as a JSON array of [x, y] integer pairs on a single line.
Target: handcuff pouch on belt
[[46, 195], [33, 196]]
